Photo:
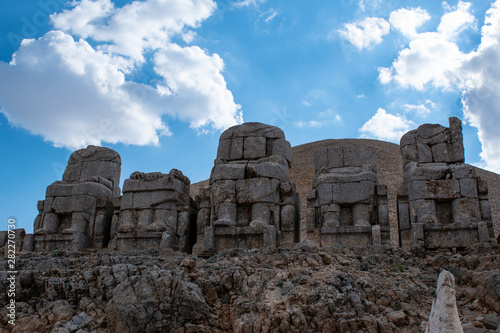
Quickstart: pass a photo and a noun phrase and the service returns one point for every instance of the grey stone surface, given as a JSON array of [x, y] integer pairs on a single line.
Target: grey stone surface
[[355, 192], [404, 216], [441, 192], [355, 156], [459, 171], [228, 171], [282, 147], [491, 321], [468, 188], [257, 190], [157, 212], [424, 153], [223, 191], [250, 201], [345, 195], [272, 167], [253, 129], [434, 189], [254, 147], [81, 204]]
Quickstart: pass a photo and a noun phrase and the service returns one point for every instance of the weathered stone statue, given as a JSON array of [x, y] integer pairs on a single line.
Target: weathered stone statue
[[156, 211], [346, 205], [77, 211], [444, 313], [442, 203], [251, 201]]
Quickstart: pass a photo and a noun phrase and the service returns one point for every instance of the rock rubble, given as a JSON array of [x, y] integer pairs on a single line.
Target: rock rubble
[[298, 289]]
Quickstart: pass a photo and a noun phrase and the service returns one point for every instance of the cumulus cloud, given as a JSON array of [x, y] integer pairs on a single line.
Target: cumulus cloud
[[385, 126], [408, 20], [481, 83], [456, 20], [72, 95], [199, 90], [82, 91], [433, 59], [365, 33], [136, 27], [429, 59]]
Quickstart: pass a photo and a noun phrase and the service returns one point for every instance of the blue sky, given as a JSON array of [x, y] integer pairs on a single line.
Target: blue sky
[[159, 80]]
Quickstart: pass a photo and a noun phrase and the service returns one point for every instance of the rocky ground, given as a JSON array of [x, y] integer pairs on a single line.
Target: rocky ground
[[299, 289]]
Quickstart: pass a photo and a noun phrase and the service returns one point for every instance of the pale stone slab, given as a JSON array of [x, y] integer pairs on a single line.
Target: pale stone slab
[[444, 313]]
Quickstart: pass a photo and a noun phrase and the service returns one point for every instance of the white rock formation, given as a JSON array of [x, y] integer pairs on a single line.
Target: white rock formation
[[444, 314]]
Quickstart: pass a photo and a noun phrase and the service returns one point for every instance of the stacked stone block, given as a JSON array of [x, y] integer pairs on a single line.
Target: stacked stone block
[[346, 205], [251, 199], [77, 211], [22, 242], [442, 203], [156, 211]]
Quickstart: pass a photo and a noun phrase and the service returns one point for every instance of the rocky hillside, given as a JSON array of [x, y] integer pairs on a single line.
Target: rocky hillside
[[300, 289], [390, 173]]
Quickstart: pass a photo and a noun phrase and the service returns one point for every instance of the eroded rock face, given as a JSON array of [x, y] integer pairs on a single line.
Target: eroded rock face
[[251, 201], [444, 314], [305, 289], [347, 206], [77, 211], [156, 211], [442, 203]]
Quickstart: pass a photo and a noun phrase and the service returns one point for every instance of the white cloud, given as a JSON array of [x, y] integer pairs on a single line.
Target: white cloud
[[456, 20], [408, 20], [310, 123], [421, 110], [434, 59], [269, 15], [246, 3], [361, 5], [199, 90], [329, 116], [73, 94], [385, 126], [481, 83], [366, 33], [136, 27], [429, 59], [323, 118]]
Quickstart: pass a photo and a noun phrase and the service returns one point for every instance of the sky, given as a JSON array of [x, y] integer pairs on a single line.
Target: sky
[[159, 80]]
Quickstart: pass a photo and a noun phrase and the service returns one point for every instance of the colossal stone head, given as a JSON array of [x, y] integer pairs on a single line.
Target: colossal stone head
[[98, 164], [433, 143], [253, 141]]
